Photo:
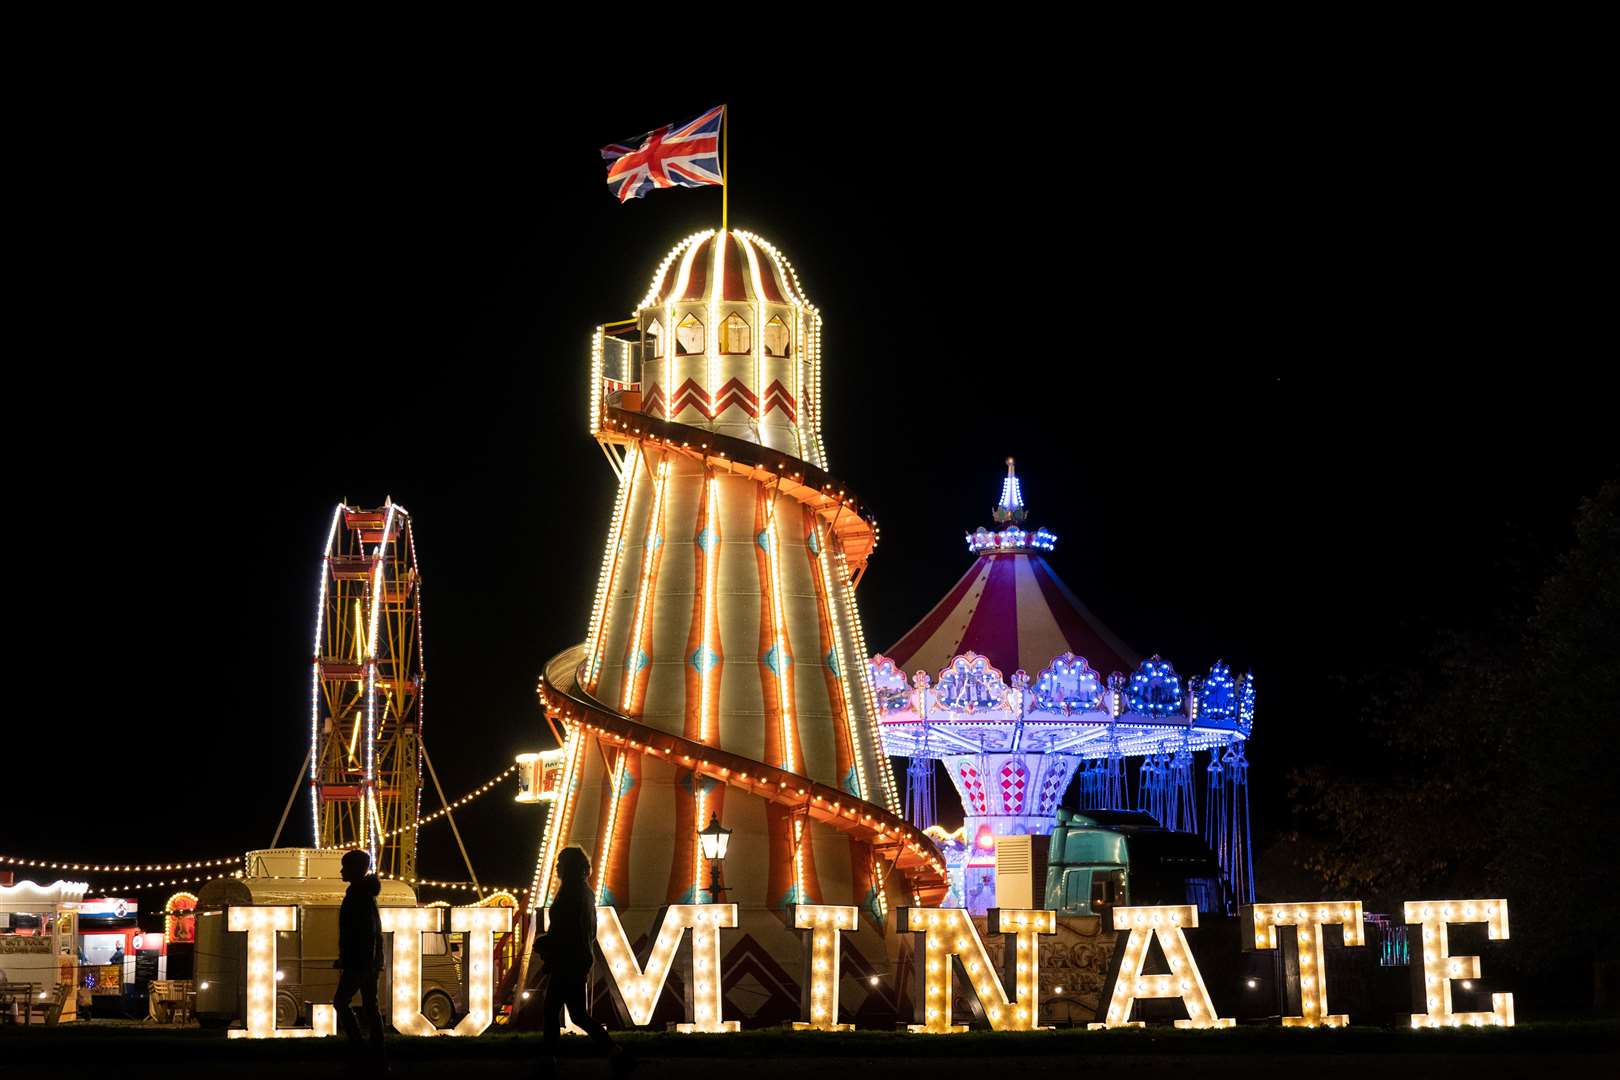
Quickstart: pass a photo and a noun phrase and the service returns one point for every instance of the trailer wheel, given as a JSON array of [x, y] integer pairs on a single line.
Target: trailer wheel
[[286, 1009], [438, 1008]]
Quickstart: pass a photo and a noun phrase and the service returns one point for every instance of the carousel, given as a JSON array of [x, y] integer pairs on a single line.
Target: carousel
[[1018, 747]]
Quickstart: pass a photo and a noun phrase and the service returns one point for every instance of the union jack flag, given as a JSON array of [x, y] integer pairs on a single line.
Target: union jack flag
[[687, 155]]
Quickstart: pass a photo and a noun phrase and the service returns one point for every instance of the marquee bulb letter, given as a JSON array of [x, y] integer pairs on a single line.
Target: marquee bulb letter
[[480, 925], [636, 990], [1440, 967], [262, 924], [408, 924], [823, 923], [1184, 981], [1307, 980], [949, 932]]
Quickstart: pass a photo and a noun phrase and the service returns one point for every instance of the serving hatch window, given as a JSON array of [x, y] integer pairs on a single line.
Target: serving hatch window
[[734, 334], [688, 336], [776, 337]]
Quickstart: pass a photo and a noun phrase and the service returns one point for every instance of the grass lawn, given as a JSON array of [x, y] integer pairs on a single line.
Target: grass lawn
[[1367, 1053]]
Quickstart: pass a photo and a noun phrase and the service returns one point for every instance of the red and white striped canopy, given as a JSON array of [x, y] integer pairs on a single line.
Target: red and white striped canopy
[[739, 267], [1012, 608]]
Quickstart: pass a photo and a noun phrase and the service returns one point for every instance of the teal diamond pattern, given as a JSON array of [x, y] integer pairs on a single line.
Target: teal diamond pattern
[[698, 785], [871, 906], [703, 659], [764, 539], [813, 542], [850, 787], [641, 660], [832, 662], [777, 660], [706, 538]]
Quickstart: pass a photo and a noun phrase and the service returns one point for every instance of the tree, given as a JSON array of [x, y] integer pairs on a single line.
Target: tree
[[1496, 768]]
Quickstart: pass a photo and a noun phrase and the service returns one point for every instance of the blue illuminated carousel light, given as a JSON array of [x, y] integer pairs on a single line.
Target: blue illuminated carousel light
[[1011, 539], [1012, 495], [1217, 696], [1246, 703], [1155, 689], [1068, 685]]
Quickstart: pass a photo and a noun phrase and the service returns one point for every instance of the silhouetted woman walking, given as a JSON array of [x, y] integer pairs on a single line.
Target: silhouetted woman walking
[[565, 949]]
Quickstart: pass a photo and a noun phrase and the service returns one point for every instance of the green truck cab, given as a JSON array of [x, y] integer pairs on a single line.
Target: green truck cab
[[1100, 859]]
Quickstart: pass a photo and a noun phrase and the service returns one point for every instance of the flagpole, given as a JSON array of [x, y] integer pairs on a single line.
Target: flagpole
[[725, 169]]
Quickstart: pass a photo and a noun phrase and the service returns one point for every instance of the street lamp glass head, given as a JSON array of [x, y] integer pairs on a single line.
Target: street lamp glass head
[[714, 839]]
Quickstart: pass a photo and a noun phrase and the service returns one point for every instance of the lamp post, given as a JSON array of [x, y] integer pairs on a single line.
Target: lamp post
[[714, 838]]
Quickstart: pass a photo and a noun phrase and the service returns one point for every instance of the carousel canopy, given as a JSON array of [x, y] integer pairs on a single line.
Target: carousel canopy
[[1011, 607], [1014, 684]]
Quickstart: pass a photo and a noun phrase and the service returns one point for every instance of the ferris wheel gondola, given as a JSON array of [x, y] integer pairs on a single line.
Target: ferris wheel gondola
[[366, 683]]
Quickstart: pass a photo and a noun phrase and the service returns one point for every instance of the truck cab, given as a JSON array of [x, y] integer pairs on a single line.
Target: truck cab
[[1101, 859]]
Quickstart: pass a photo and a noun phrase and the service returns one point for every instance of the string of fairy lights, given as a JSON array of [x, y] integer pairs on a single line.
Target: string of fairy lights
[[483, 888], [234, 862], [123, 868], [458, 804]]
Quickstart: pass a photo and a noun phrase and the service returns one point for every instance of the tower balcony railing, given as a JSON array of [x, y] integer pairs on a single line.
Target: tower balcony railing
[[621, 395], [615, 380]]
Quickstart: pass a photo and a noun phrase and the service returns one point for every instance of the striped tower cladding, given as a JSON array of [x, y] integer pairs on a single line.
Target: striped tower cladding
[[718, 625], [729, 345]]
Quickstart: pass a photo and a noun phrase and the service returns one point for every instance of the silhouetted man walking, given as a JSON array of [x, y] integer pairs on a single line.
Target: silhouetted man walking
[[565, 948], [360, 953]]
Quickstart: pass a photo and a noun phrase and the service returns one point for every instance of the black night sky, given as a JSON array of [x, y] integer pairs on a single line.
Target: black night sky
[[1296, 373]]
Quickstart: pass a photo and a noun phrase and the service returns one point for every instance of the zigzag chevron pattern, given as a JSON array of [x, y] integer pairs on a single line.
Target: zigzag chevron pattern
[[655, 402], [777, 397], [734, 394], [689, 395]]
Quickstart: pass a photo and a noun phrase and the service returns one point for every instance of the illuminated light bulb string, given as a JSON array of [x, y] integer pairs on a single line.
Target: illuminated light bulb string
[[229, 860], [125, 868], [459, 886], [458, 804], [138, 886]]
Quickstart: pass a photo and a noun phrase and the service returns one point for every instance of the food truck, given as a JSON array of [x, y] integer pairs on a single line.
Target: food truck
[[309, 880], [39, 949], [117, 957]]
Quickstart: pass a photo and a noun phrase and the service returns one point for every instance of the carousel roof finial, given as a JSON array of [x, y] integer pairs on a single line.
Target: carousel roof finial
[[1011, 506]]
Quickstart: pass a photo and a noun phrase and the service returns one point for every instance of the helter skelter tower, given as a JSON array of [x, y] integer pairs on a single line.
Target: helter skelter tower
[[365, 723], [724, 668]]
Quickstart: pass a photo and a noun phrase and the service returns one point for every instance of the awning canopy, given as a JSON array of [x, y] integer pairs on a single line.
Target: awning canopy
[[30, 896]]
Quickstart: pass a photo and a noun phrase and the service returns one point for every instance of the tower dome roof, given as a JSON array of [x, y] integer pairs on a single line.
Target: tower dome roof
[[732, 266]]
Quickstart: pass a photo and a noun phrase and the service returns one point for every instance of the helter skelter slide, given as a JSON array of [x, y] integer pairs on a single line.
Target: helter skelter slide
[[724, 671]]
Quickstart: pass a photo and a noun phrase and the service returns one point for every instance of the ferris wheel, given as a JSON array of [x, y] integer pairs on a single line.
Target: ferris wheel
[[365, 722]]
